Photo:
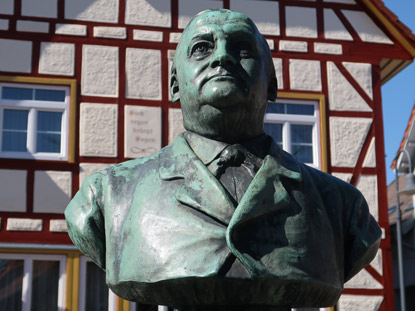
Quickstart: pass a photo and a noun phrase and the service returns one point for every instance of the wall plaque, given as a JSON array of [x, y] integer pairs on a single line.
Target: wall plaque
[[142, 131]]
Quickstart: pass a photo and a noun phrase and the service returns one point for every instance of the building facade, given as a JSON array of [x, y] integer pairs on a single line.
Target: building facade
[[84, 84]]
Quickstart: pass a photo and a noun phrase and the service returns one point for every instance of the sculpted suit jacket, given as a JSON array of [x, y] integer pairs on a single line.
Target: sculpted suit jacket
[[166, 232]]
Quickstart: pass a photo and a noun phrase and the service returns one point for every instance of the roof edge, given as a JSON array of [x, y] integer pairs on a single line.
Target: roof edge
[[398, 30], [405, 136]]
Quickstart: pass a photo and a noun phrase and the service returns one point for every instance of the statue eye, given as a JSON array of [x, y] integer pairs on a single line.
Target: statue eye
[[201, 49], [245, 49]]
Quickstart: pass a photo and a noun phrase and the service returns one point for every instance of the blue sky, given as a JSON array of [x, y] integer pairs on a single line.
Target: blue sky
[[398, 94]]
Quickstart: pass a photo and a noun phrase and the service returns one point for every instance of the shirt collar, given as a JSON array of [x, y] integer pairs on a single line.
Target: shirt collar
[[208, 149]]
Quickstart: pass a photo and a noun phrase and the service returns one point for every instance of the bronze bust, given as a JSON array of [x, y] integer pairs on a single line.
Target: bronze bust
[[222, 218]]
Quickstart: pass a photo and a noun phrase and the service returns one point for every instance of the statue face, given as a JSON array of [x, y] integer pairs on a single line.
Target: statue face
[[223, 76]]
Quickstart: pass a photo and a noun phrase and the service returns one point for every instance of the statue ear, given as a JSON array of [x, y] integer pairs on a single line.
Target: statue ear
[[174, 86], [272, 89]]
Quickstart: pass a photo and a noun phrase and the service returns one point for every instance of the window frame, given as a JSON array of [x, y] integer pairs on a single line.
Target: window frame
[[68, 120], [318, 120], [28, 276], [112, 298]]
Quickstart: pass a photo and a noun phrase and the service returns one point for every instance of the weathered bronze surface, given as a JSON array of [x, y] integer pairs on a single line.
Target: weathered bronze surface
[[187, 228]]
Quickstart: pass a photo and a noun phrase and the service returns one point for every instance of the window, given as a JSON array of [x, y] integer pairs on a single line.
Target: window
[[294, 126], [34, 121], [94, 294], [32, 282]]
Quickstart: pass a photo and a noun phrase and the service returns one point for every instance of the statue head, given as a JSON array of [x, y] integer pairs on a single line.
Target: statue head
[[223, 76]]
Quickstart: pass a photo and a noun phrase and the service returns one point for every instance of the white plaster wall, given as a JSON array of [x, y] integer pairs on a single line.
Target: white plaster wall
[[143, 70], [366, 28], [347, 136], [305, 75], [57, 58], [343, 176], [360, 303], [148, 13], [58, 225], [301, 22], [293, 46], [99, 71], [13, 190], [265, 14], [98, 130], [342, 95], [370, 160], [92, 10], [87, 169], [363, 280], [16, 56], [377, 262], [71, 30], [362, 73], [52, 192], [189, 8], [110, 32], [24, 224], [271, 44], [278, 72], [334, 28], [175, 123], [147, 35], [174, 37], [30, 26], [40, 8], [328, 48], [6, 6], [368, 186], [4, 24]]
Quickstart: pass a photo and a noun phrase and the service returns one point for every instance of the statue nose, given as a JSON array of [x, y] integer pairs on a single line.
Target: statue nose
[[222, 58]]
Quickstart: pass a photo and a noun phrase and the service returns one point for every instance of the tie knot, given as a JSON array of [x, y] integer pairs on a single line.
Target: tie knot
[[231, 156]]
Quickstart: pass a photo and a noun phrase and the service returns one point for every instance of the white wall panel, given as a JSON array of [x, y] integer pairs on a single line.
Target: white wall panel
[[148, 13], [40, 8], [13, 190], [92, 10], [52, 192], [16, 56]]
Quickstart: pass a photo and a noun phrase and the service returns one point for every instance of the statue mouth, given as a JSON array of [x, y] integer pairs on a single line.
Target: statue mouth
[[221, 74]]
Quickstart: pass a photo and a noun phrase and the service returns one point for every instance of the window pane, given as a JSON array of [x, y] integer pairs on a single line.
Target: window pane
[[49, 121], [45, 285], [49, 131], [275, 131], [96, 290], [11, 281], [302, 142], [50, 95], [300, 109], [17, 93], [276, 108], [48, 143], [14, 134], [302, 153], [302, 133], [15, 119]]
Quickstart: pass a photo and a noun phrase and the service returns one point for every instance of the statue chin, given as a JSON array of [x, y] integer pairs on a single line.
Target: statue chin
[[223, 94]]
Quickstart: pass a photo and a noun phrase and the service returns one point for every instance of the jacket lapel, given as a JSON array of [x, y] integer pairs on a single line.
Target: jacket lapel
[[266, 194], [200, 189]]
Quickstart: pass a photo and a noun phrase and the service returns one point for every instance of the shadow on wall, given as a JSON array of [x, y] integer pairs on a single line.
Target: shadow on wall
[[92, 10], [52, 191]]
